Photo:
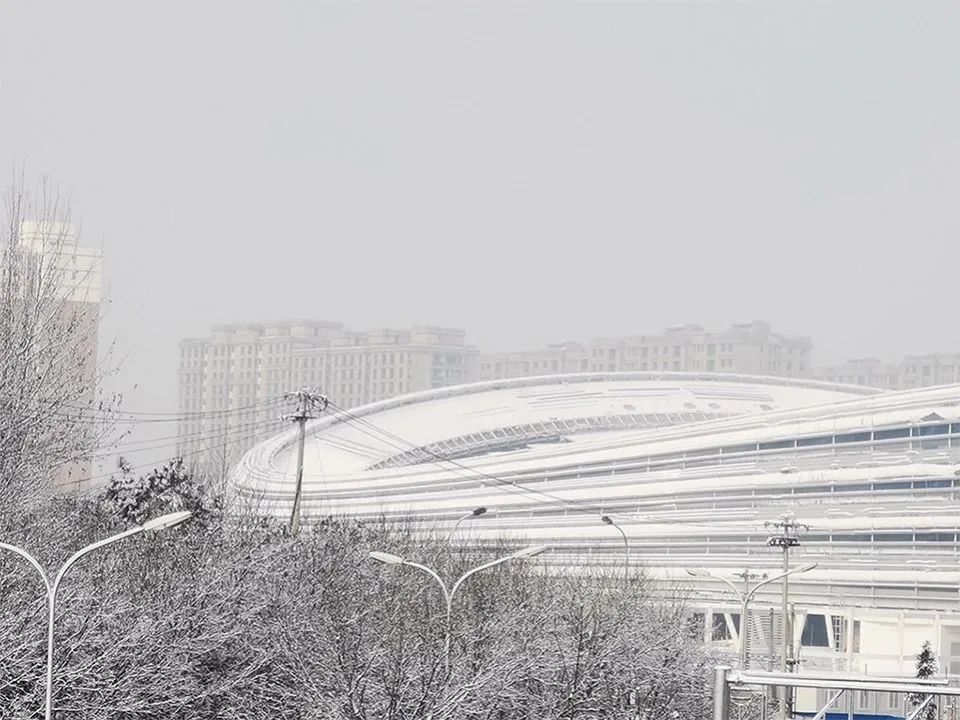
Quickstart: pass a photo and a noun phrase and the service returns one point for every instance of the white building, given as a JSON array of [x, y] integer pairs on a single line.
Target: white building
[[745, 348], [690, 467], [912, 371], [77, 269], [71, 275], [232, 383]]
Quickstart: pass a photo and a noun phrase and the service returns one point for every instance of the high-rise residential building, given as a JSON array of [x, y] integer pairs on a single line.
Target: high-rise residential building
[[74, 276], [748, 348], [913, 371], [232, 382]]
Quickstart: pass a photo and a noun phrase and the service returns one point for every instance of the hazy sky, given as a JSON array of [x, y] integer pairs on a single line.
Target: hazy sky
[[531, 172]]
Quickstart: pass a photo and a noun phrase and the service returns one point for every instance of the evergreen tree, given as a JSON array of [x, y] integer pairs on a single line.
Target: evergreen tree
[[926, 668]]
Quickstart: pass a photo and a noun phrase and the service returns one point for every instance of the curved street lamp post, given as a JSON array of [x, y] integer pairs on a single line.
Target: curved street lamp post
[[476, 512], [448, 594], [745, 601], [160, 523], [626, 546]]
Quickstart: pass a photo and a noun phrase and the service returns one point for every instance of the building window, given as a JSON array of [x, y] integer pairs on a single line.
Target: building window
[[720, 631]]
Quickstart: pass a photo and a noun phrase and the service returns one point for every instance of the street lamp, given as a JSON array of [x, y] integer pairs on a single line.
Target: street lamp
[[626, 546], [448, 595], [745, 600], [476, 512], [161, 523]]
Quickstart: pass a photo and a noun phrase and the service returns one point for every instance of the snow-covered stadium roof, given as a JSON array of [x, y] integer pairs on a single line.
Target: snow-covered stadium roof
[[470, 420], [690, 467]]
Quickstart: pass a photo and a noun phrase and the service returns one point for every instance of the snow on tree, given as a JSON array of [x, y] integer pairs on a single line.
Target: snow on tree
[[52, 411], [926, 668]]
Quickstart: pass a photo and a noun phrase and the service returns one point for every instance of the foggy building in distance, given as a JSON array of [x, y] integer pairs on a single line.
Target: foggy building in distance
[[232, 382], [751, 348], [913, 371], [74, 272]]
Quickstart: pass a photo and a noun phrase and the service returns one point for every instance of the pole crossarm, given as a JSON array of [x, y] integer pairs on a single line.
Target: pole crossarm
[[905, 685]]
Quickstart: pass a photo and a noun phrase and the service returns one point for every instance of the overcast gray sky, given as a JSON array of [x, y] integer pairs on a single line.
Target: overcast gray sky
[[530, 172]]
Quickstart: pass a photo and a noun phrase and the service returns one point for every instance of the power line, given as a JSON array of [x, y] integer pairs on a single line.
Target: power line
[[129, 418], [195, 433], [475, 473], [238, 431], [156, 463]]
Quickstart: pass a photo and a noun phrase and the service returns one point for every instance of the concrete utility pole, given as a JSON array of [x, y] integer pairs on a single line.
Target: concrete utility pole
[[787, 536], [307, 400]]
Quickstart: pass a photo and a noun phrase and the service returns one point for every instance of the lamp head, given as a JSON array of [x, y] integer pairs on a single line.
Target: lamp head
[[168, 521], [697, 573], [385, 557], [607, 519], [477, 512], [808, 568]]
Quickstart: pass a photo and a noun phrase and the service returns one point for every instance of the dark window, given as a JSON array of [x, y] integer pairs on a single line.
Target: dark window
[[820, 440], [739, 449], [776, 445], [905, 485], [853, 437], [814, 632], [720, 630], [891, 433], [934, 429], [935, 537], [893, 537], [853, 487]]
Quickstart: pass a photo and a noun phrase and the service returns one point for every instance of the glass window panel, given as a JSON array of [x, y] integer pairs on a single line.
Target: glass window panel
[[853, 437], [820, 440]]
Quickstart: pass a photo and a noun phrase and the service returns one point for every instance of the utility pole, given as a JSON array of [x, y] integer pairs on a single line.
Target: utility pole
[[787, 536], [307, 400]]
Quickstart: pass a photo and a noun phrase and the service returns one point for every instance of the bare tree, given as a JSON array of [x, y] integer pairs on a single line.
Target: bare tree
[[53, 414]]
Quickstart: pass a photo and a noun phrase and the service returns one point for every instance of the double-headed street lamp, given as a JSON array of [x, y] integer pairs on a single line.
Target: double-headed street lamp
[[448, 594], [745, 600], [161, 523]]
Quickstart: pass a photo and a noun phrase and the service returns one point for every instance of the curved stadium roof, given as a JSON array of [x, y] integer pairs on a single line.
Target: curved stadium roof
[[689, 466], [509, 420]]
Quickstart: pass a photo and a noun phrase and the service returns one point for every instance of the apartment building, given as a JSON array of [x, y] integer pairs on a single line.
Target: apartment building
[[232, 382], [749, 348], [912, 371], [568, 357]]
